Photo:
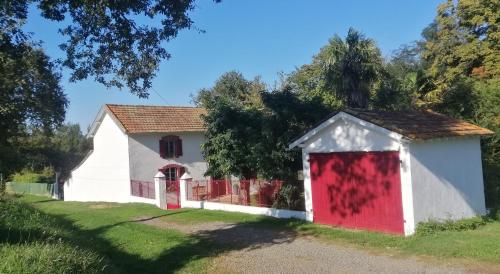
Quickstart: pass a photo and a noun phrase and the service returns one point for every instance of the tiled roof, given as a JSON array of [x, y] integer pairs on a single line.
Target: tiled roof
[[143, 119], [419, 125]]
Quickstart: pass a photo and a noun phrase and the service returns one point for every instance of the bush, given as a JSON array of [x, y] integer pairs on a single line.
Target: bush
[[290, 196], [46, 176], [432, 227], [494, 214]]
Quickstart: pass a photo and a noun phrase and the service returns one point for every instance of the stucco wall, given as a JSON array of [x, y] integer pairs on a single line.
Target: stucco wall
[[345, 135], [145, 157], [447, 179], [104, 175]]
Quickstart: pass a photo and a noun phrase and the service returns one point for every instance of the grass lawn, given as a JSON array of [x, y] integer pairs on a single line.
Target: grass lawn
[[110, 230]]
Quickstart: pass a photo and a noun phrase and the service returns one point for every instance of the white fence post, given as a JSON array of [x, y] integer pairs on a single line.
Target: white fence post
[[55, 188], [160, 190], [183, 182]]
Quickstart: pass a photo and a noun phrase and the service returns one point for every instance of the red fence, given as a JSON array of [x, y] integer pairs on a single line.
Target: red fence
[[244, 192], [142, 189]]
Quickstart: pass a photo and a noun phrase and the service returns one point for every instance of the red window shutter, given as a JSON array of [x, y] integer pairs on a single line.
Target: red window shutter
[[178, 148], [162, 148]]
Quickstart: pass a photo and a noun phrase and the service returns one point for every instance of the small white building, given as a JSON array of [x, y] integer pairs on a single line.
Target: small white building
[[388, 171], [133, 143]]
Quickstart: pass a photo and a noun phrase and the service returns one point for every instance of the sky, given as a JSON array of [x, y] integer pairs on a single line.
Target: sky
[[257, 38]]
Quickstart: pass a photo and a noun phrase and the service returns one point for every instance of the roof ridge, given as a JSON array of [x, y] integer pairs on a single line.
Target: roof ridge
[[161, 106]]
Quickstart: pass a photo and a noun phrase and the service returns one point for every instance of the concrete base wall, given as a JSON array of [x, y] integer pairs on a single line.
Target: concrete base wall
[[272, 212]]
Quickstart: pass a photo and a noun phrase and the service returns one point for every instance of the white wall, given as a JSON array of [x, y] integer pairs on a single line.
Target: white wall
[[145, 157], [340, 136], [104, 175], [447, 178]]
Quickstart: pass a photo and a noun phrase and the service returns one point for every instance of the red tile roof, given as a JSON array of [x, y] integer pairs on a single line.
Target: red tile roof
[[419, 125], [143, 119]]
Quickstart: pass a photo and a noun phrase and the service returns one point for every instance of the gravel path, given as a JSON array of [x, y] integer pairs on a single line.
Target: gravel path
[[259, 250], [304, 255]]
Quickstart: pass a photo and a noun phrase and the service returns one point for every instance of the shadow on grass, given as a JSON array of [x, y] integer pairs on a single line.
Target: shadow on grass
[[189, 248]]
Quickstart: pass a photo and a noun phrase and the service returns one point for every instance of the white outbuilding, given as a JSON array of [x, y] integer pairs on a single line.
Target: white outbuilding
[[389, 171]]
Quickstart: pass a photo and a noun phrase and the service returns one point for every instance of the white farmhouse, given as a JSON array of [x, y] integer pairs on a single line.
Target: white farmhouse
[[133, 143], [389, 171]]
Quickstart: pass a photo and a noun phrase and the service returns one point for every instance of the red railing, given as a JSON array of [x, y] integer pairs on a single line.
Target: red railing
[[260, 193], [142, 189]]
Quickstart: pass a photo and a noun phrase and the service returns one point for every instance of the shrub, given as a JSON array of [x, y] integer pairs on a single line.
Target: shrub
[[290, 196], [433, 226], [494, 214], [29, 176]]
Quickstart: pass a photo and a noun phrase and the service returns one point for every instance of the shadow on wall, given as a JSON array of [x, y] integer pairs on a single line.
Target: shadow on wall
[[353, 181]]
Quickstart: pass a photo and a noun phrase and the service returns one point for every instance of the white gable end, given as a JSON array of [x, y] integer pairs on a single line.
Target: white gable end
[[104, 175], [346, 135]]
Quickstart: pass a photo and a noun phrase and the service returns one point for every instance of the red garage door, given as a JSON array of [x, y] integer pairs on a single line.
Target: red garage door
[[357, 190]]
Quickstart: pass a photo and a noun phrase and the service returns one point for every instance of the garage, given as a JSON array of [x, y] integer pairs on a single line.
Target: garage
[[388, 171], [357, 190]]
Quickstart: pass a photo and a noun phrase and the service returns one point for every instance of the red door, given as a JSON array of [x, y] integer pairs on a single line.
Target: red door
[[357, 190], [173, 191]]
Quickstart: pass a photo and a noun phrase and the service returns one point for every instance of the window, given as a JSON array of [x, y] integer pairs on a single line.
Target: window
[[172, 171], [170, 174], [170, 147]]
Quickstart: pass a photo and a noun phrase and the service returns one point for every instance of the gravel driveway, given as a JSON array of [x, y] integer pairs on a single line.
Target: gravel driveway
[[261, 250]]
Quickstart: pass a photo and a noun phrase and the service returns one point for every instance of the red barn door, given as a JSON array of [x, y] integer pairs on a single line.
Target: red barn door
[[357, 190]]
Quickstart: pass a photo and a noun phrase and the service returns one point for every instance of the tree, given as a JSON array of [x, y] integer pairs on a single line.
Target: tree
[[105, 39], [233, 122], [249, 129], [401, 79], [30, 94], [462, 42], [233, 88], [284, 117], [61, 149], [343, 73], [461, 54]]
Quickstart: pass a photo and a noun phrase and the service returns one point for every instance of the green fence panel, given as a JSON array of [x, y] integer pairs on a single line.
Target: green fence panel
[[31, 188]]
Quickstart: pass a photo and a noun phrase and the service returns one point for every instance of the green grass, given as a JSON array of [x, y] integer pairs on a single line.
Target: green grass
[[110, 233]]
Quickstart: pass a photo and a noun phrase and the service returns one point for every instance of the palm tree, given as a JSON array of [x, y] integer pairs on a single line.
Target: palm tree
[[351, 67]]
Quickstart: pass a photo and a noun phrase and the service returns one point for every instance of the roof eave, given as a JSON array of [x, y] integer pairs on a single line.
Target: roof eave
[[98, 120]]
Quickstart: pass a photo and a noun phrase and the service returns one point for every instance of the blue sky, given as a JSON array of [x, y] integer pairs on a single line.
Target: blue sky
[[260, 37]]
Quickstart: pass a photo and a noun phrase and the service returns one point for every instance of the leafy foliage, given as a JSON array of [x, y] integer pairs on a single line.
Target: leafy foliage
[[465, 43], [30, 94], [249, 129], [233, 121], [119, 43], [432, 227], [344, 72], [291, 196], [37, 150], [46, 176]]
